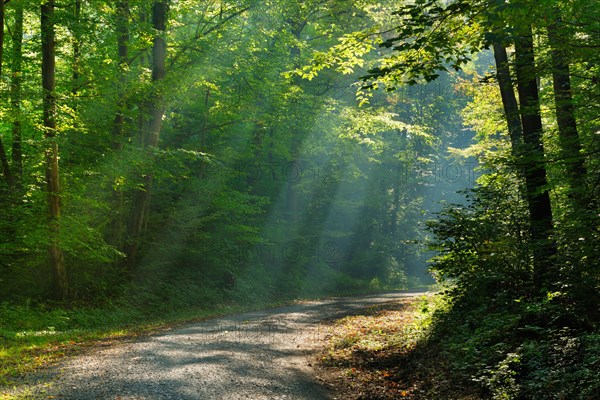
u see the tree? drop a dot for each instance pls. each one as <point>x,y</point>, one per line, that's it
<point>6,170</point>
<point>570,142</point>
<point>16,90</point>
<point>509,100</point>
<point>150,137</point>
<point>537,195</point>
<point>123,36</point>
<point>55,251</point>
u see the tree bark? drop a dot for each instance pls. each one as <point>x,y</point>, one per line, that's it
<point>5,165</point>
<point>538,198</point>
<point>509,100</point>
<point>157,108</point>
<point>56,256</point>
<point>16,91</point>
<point>294,167</point>
<point>565,118</point>
<point>122,30</point>
<point>76,32</point>
<point>3,157</point>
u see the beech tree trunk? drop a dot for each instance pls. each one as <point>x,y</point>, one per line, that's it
<point>151,137</point>
<point>76,32</point>
<point>16,91</point>
<point>294,167</point>
<point>509,100</point>
<point>6,171</point>
<point>565,118</point>
<point>122,30</point>
<point>55,252</point>
<point>538,199</point>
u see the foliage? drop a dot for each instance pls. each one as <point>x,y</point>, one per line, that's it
<point>250,160</point>
<point>493,248</point>
<point>235,130</point>
<point>262,187</point>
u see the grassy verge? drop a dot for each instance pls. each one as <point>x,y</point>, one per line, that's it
<point>34,337</point>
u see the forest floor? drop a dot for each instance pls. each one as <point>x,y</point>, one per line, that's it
<point>271,354</point>
<point>383,353</point>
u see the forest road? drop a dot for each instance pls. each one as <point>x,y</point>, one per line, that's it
<point>258,355</point>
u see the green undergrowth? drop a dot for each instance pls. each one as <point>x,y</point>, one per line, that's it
<point>516,348</point>
<point>454,346</point>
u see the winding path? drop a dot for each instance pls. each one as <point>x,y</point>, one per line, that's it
<point>259,355</point>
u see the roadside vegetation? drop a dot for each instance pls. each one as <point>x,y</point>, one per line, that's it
<point>372,355</point>
<point>520,254</point>
<point>35,336</point>
<point>447,348</point>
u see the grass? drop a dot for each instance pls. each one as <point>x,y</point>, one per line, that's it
<point>34,337</point>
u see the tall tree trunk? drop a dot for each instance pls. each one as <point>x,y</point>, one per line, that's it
<point>573,159</point>
<point>538,199</point>
<point>509,100</point>
<point>151,138</point>
<point>206,117</point>
<point>16,91</point>
<point>122,29</point>
<point>5,165</point>
<point>511,114</point>
<point>565,118</point>
<point>159,56</point>
<point>294,168</point>
<point>204,133</point>
<point>56,256</point>
<point>76,32</point>
<point>3,157</point>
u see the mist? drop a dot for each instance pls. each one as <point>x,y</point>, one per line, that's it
<point>220,163</point>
